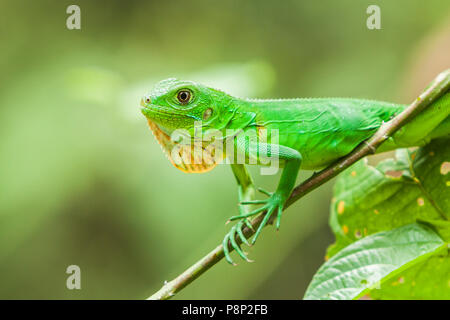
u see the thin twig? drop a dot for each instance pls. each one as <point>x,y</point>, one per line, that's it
<point>439,86</point>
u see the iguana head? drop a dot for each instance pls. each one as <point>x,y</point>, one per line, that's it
<point>176,104</point>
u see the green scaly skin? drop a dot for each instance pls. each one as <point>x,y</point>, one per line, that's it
<point>313,133</point>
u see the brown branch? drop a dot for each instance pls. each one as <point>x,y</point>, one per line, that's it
<point>439,86</point>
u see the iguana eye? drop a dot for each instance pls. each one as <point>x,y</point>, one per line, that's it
<point>184,96</point>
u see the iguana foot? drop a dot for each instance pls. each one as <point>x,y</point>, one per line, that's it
<point>275,202</point>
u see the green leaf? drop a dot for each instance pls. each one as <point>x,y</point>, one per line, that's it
<point>396,192</point>
<point>427,280</point>
<point>413,187</point>
<point>370,262</point>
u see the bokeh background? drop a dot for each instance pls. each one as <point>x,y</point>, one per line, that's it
<point>82,180</point>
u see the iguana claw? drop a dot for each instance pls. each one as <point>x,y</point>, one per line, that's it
<point>231,238</point>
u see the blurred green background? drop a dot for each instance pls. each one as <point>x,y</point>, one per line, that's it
<point>84,182</point>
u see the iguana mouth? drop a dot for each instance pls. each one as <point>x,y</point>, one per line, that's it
<point>147,110</point>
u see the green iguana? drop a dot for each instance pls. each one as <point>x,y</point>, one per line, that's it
<point>310,134</point>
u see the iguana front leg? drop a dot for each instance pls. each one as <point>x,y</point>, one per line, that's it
<point>246,192</point>
<point>290,158</point>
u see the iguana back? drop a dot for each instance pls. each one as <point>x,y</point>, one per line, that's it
<point>321,129</point>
